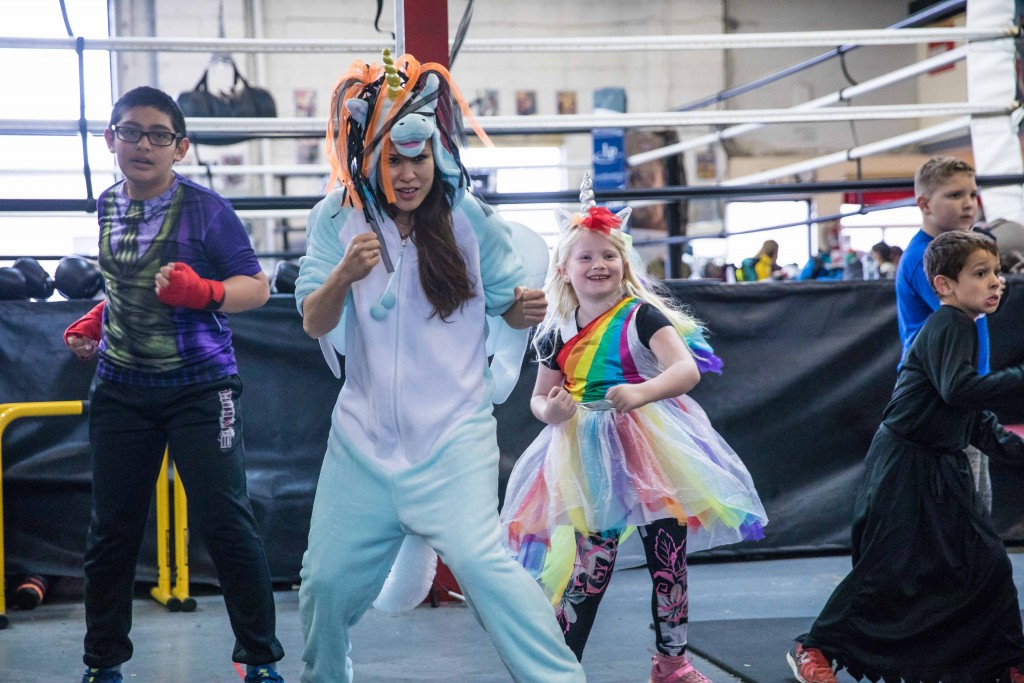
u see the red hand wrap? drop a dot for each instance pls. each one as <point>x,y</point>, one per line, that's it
<point>187,289</point>
<point>89,325</point>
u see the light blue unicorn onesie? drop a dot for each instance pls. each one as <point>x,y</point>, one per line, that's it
<point>412,448</point>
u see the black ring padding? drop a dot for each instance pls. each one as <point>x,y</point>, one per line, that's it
<point>262,203</point>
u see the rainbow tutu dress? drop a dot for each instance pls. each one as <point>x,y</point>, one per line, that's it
<point>602,470</point>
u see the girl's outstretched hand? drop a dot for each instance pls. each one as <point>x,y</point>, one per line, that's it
<point>560,406</point>
<point>626,397</point>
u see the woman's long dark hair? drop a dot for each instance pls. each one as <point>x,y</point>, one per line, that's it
<point>443,273</point>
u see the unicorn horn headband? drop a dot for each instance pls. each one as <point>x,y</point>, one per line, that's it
<point>593,217</point>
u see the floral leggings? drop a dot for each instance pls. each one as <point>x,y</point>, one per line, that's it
<point>665,546</point>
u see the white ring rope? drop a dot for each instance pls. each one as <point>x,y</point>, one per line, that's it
<point>891,78</point>
<point>289,170</point>
<point>733,41</point>
<point>301,126</point>
<point>852,153</point>
<point>904,36</point>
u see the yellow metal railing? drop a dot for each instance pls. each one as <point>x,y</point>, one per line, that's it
<point>175,599</point>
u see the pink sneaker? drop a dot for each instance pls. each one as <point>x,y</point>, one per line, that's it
<point>665,669</point>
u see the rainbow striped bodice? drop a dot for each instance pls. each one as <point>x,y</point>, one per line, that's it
<point>599,357</point>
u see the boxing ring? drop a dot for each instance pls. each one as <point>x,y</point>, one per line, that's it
<point>739,317</point>
<point>809,366</point>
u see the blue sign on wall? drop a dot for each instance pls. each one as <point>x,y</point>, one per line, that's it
<point>609,159</point>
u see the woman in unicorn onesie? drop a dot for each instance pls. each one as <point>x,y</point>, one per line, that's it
<point>405,274</point>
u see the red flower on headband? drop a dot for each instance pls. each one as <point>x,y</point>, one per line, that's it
<point>601,219</point>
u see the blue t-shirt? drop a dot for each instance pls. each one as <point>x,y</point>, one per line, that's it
<point>916,300</point>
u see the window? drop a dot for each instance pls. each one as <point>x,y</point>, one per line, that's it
<point>521,169</point>
<point>51,166</point>
<point>895,227</point>
<point>743,217</point>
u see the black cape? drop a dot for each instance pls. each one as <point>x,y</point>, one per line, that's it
<point>931,594</point>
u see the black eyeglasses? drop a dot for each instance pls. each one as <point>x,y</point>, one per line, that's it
<point>157,138</point>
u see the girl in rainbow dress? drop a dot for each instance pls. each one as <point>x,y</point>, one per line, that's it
<point>624,446</point>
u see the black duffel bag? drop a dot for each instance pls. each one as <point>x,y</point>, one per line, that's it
<point>241,101</point>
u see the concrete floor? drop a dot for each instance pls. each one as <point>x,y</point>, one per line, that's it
<point>426,644</point>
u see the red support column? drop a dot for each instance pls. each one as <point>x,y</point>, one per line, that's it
<point>426,30</point>
<point>426,39</point>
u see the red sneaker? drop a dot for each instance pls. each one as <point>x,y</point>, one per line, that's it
<point>809,665</point>
<point>665,669</point>
<point>1015,675</point>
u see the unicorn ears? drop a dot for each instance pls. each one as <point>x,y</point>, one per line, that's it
<point>564,219</point>
<point>624,216</point>
<point>429,88</point>
<point>358,109</point>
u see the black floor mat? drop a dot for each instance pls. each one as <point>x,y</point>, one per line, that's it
<point>752,649</point>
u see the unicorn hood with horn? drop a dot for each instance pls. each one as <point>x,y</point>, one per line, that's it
<point>398,107</point>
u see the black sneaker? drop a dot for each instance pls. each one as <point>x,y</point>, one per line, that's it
<point>92,675</point>
<point>263,674</point>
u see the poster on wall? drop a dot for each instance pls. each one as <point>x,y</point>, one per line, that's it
<point>307,150</point>
<point>526,102</point>
<point>486,103</point>
<point>232,181</point>
<point>611,100</point>
<point>566,101</point>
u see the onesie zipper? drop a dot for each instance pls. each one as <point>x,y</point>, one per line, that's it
<point>397,276</point>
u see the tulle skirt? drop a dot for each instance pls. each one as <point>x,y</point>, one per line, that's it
<point>602,470</point>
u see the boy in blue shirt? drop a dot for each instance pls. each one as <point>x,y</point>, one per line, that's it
<point>947,195</point>
<point>948,198</point>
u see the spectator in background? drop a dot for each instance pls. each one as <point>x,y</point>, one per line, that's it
<point>762,265</point>
<point>882,254</point>
<point>819,267</point>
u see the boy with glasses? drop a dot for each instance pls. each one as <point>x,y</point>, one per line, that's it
<point>175,259</point>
